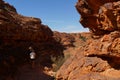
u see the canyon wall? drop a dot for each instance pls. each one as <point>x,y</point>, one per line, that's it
<point>99,57</point>
<point>94,55</point>
<point>17,34</point>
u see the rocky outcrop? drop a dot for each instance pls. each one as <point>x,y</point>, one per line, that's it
<point>99,57</point>
<point>18,27</point>
<point>101,16</point>
<point>17,34</point>
<point>86,56</point>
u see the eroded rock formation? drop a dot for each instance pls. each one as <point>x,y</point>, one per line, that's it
<point>18,27</point>
<point>99,16</point>
<point>86,56</point>
<point>17,34</point>
<point>99,57</point>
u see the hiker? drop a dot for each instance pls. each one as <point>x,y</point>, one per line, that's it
<point>32,56</point>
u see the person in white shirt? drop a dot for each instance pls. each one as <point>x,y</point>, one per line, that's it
<point>32,56</point>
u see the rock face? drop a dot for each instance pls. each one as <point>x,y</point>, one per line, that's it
<point>18,27</point>
<point>88,56</point>
<point>99,57</point>
<point>99,16</point>
<point>17,34</point>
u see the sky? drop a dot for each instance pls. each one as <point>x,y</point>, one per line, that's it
<point>59,15</point>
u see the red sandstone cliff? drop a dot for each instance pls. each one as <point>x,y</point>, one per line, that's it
<point>18,27</point>
<point>99,58</point>
<point>98,15</point>
<point>17,34</point>
<point>84,56</point>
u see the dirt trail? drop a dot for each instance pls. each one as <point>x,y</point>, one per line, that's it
<point>26,72</point>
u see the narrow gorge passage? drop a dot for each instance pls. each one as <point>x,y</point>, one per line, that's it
<point>27,72</point>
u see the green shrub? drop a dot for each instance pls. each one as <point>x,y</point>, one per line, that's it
<point>83,38</point>
<point>58,61</point>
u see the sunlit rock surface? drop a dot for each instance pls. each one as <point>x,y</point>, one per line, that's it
<point>99,57</point>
